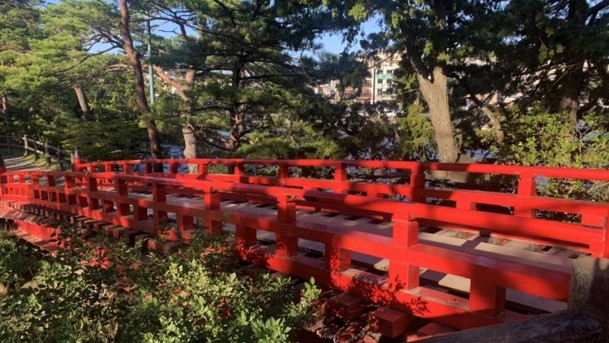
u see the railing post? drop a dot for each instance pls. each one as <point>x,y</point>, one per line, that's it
<point>69,184</point>
<point>405,234</point>
<point>76,160</point>
<point>239,173</point>
<point>51,183</point>
<point>340,178</point>
<point>283,173</point>
<point>47,153</point>
<point>173,167</point>
<point>60,158</point>
<point>122,191</point>
<point>93,204</point>
<point>159,197</point>
<point>526,189</point>
<point>203,170</point>
<point>417,184</point>
<point>35,192</point>
<point>600,248</point>
<point>21,180</point>
<point>211,202</point>
<point>26,146</point>
<point>3,180</point>
<point>286,214</point>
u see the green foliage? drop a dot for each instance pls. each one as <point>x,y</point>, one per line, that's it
<point>416,135</point>
<point>546,139</point>
<point>195,295</point>
<point>17,262</point>
<point>116,140</point>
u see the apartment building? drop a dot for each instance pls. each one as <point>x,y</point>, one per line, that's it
<point>378,85</point>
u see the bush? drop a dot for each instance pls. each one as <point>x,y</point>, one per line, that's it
<point>17,262</point>
<point>195,295</point>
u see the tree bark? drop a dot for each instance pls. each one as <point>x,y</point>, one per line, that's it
<point>83,102</point>
<point>573,81</point>
<point>495,123</point>
<point>188,133</point>
<point>572,85</point>
<point>435,93</point>
<point>190,139</point>
<point>140,89</point>
<point>7,126</point>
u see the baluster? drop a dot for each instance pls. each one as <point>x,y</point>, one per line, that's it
<point>286,213</point>
<point>239,175</point>
<point>283,173</point>
<point>417,184</point>
<point>35,190</point>
<point>122,191</point>
<point>69,184</point>
<point>405,234</point>
<point>526,189</point>
<point>173,167</point>
<point>47,153</point>
<point>51,183</point>
<point>211,202</point>
<point>340,179</point>
<point>159,197</point>
<point>203,170</point>
<point>26,146</point>
<point>59,156</point>
<point>92,203</point>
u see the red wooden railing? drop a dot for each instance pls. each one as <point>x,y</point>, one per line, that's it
<point>108,191</point>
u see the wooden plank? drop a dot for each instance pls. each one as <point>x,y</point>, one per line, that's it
<point>462,284</point>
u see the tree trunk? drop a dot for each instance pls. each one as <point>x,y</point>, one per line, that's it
<point>7,123</point>
<point>495,123</point>
<point>140,89</point>
<point>573,80</point>
<point>83,102</point>
<point>190,145</point>
<point>435,93</point>
<point>188,133</point>
<point>572,85</point>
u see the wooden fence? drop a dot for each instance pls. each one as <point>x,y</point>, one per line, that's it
<point>40,148</point>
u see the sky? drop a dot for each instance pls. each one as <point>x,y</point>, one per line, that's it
<point>332,43</point>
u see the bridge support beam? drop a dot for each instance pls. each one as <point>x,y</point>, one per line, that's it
<point>586,320</point>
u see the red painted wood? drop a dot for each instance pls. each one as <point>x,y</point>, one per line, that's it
<point>83,192</point>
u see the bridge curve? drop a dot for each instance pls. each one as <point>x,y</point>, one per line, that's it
<point>434,252</point>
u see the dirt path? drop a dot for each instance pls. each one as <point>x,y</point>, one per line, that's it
<point>23,163</point>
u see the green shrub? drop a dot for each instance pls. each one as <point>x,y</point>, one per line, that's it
<point>16,262</point>
<point>195,295</point>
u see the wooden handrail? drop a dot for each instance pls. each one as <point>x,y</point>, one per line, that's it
<point>40,148</point>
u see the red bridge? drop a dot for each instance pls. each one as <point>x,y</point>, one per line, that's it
<point>463,257</point>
